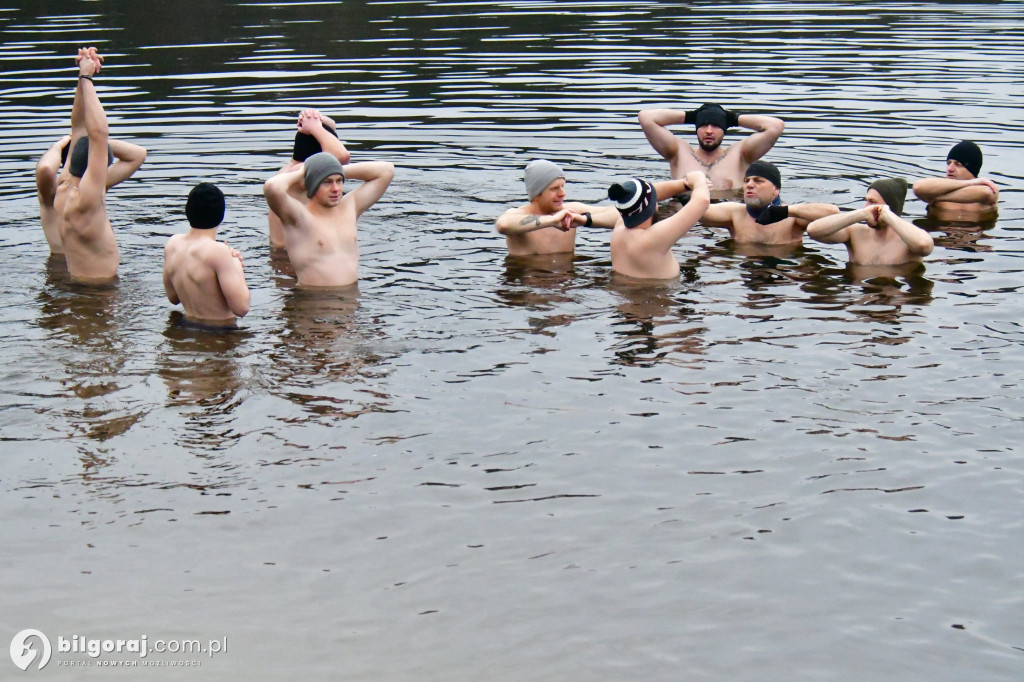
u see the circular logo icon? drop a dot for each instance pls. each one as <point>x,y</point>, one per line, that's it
<point>22,654</point>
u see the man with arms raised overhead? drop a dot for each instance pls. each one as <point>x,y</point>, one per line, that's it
<point>876,234</point>
<point>762,218</point>
<point>547,225</point>
<point>723,166</point>
<point>85,231</point>
<point>641,248</point>
<point>321,235</point>
<point>316,133</point>
<point>962,193</point>
<point>201,273</point>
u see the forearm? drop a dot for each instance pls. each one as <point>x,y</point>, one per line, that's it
<point>518,222</point>
<point>95,117</point>
<point>825,229</point>
<point>604,216</point>
<point>810,212</point>
<point>330,143</point>
<point>917,240</point>
<point>126,151</point>
<point>761,123</point>
<point>367,171</point>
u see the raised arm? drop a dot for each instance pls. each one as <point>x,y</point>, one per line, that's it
<point>600,216</point>
<point>974,191</point>
<point>654,123</point>
<point>767,130</point>
<point>664,234</point>
<point>808,213</point>
<point>94,181</point>
<point>311,122</point>
<point>127,159</point>
<point>376,176</point>
<point>231,278</point>
<point>279,191</point>
<point>918,242</point>
<point>47,169</point>
<point>833,229</point>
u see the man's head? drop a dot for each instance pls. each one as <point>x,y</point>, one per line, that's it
<point>711,121</point>
<point>306,145</point>
<point>636,200</point>
<point>540,174</point>
<point>319,168</point>
<point>80,157</point>
<point>889,191</point>
<point>963,162</point>
<point>205,206</point>
<point>761,184</point>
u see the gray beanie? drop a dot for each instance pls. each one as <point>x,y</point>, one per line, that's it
<point>539,174</point>
<point>893,192</point>
<point>319,167</point>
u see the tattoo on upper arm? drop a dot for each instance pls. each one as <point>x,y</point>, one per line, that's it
<point>530,220</point>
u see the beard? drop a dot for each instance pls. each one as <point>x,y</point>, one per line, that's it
<point>709,147</point>
<point>755,202</point>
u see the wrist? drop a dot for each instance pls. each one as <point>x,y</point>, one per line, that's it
<point>85,76</point>
<point>590,219</point>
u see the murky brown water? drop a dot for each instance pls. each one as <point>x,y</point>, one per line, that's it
<point>469,468</point>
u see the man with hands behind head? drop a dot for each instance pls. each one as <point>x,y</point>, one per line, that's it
<point>724,167</point>
<point>876,234</point>
<point>316,133</point>
<point>320,235</point>
<point>762,218</point>
<point>547,225</point>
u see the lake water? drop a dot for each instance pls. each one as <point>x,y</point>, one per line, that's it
<point>474,469</point>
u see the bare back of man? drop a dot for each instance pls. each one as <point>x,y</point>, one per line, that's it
<point>644,250</point>
<point>86,233</point>
<point>206,277</point>
<point>321,235</point>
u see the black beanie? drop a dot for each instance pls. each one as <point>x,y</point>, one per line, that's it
<point>80,157</point>
<point>893,192</point>
<point>306,145</point>
<point>968,154</point>
<point>205,206</point>
<point>766,170</point>
<point>711,114</point>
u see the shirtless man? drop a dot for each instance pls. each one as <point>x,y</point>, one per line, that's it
<point>876,234</point>
<point>547,224</point>
<point>85,232</point>
<point>642,248</point>
<point>961,191</point>
<point>724,167</point>
<point>316,133</point>
<point>762,218</point>
<point>321,235</point>
<point>202,274</point>
<point>52,194</point>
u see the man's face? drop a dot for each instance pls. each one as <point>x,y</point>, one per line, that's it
<point>957,171</point>
<point>550,200</point>
<point>758,192</point>
<point>710,136</point>
<point>330,190</point>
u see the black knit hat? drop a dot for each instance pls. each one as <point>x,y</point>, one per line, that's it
<point>968,154</point>
<point>766,170</point>
<point>636,200</point>
<point>205,206</point>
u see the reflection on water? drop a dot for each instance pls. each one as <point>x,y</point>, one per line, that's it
<point>795,436</point>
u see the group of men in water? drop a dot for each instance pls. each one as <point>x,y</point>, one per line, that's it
<point>314,220</point>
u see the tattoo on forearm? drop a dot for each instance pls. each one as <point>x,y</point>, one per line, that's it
<point>530,220</point>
